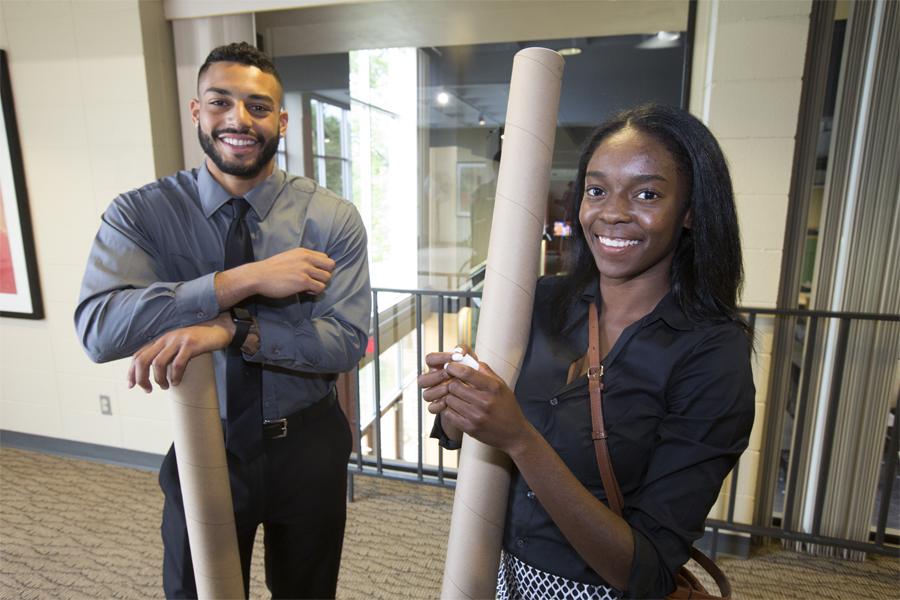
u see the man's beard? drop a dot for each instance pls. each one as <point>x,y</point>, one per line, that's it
<point>267,151</point>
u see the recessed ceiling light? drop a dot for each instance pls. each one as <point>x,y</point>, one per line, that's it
<point>660,40</point>
<point>569,51</point>
<point>443,98</point>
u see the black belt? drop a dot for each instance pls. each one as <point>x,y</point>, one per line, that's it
<point>278,428</point>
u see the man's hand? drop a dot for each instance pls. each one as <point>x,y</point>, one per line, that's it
<point>174,349</point>
<point>295,271</point>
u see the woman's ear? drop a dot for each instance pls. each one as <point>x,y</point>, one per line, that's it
<point>687,219</point>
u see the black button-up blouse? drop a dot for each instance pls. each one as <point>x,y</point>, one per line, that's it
<point>678,404</point>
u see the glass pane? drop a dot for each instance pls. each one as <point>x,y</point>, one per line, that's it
<point>334,180</point>
<point>315,108</point>
<point>332,119</point>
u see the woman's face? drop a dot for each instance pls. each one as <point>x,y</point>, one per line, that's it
<point>633,208</point>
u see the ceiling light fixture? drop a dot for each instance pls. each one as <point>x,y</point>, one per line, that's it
<point>662,39</point>
<point>443,98</point>
<point>569,51</point>
<point>481,120</point>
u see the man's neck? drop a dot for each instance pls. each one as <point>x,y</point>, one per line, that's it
<point>238,187</point>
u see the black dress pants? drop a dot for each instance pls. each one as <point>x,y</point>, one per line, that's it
<point>297,490</point>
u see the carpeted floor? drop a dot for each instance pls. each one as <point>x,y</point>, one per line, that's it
<point>78,529</point>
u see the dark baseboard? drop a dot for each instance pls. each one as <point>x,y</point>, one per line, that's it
<point>728,543</point>
<point>71,449</point>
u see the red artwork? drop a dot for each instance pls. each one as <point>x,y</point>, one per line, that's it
<point>7,276</point>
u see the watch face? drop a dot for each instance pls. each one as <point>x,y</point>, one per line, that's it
<point>239,313</point>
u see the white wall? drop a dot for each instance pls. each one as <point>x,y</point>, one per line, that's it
<point>85,77</point>
<point>748,70</point>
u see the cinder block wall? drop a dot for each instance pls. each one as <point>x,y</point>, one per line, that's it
<point>748,73</point>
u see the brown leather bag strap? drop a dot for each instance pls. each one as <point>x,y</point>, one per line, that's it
<point>598,433</point>
<point>714,571</point>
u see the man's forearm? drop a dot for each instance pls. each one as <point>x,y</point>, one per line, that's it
<point>234,285</point>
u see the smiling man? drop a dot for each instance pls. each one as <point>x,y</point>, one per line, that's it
<point>268,271</point>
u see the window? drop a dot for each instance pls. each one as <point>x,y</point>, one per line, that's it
<point>330,126</point>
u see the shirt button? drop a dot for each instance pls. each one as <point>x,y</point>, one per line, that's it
<point>276,350</point>
<point>554,401</point>
<point>520,543</point>
<point>530,495</point>
<point>201,314</point>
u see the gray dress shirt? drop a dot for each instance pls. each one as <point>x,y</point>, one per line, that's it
<point>152,265</point>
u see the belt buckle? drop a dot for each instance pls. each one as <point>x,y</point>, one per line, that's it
<point>283,432</point>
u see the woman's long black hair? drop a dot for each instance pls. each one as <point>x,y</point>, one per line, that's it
<point>706,270</point>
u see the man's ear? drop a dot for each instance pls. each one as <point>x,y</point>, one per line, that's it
<point>687,219</point>
<point>282,122</point>
<point>195,111</point>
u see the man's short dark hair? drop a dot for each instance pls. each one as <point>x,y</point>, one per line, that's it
<point>243,53</point>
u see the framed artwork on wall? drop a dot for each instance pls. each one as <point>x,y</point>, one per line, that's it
<point>20,291</point>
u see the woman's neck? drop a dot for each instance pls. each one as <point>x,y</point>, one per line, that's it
<point>630,300</point>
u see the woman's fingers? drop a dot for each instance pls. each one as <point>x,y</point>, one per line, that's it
<point>435,393</point>
<point>432,378</point>
<point>437,360</point>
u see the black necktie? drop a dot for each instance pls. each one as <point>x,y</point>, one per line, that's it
<point>243,380</point>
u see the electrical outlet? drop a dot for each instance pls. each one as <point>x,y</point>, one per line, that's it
<point>105,405</point>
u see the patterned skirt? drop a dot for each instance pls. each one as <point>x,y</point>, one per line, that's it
<point>517,580</point>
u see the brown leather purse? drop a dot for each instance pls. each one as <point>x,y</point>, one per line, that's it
<point>687,586</point>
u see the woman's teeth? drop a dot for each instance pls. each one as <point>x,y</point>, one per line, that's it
<point>617,242</point>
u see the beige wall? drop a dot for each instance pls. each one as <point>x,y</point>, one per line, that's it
<point>748,69</point>
<point>93,86</point>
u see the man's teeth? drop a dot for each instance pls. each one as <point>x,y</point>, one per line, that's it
<point>238,142</point>
<point>616,242</point>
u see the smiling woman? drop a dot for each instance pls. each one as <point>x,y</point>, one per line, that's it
<point>634,207</point>
<point>657,261</point>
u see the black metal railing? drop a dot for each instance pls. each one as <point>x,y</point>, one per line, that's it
<point>441,303</point>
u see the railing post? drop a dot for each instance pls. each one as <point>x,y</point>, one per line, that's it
<point>376,364</point>
<point>419,407</point>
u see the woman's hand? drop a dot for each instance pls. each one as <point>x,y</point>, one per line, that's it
<point>476,402</point>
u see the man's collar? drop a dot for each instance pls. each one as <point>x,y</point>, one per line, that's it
<point>261,198</point>
<point>666,309</point>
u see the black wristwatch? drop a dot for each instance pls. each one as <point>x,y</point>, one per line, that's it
<point>242,320</point>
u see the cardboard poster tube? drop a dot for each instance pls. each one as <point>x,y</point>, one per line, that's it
<point>482,485</point>
<point>203,472</point>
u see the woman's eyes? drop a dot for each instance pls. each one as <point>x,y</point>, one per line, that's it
<point>594,191</point>
<point>647,195</point>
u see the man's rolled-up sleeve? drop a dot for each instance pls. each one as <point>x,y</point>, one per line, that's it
<point>124,301</point>
<point>710,413</point>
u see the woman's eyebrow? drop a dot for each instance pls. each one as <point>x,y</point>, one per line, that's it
<point>644,178</point>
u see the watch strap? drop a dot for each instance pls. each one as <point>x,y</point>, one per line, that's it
<point>242,320</point>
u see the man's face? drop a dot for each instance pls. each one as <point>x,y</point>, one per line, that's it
<point>239,118</point>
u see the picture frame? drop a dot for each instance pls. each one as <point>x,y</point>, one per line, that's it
<point>20,291</point>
